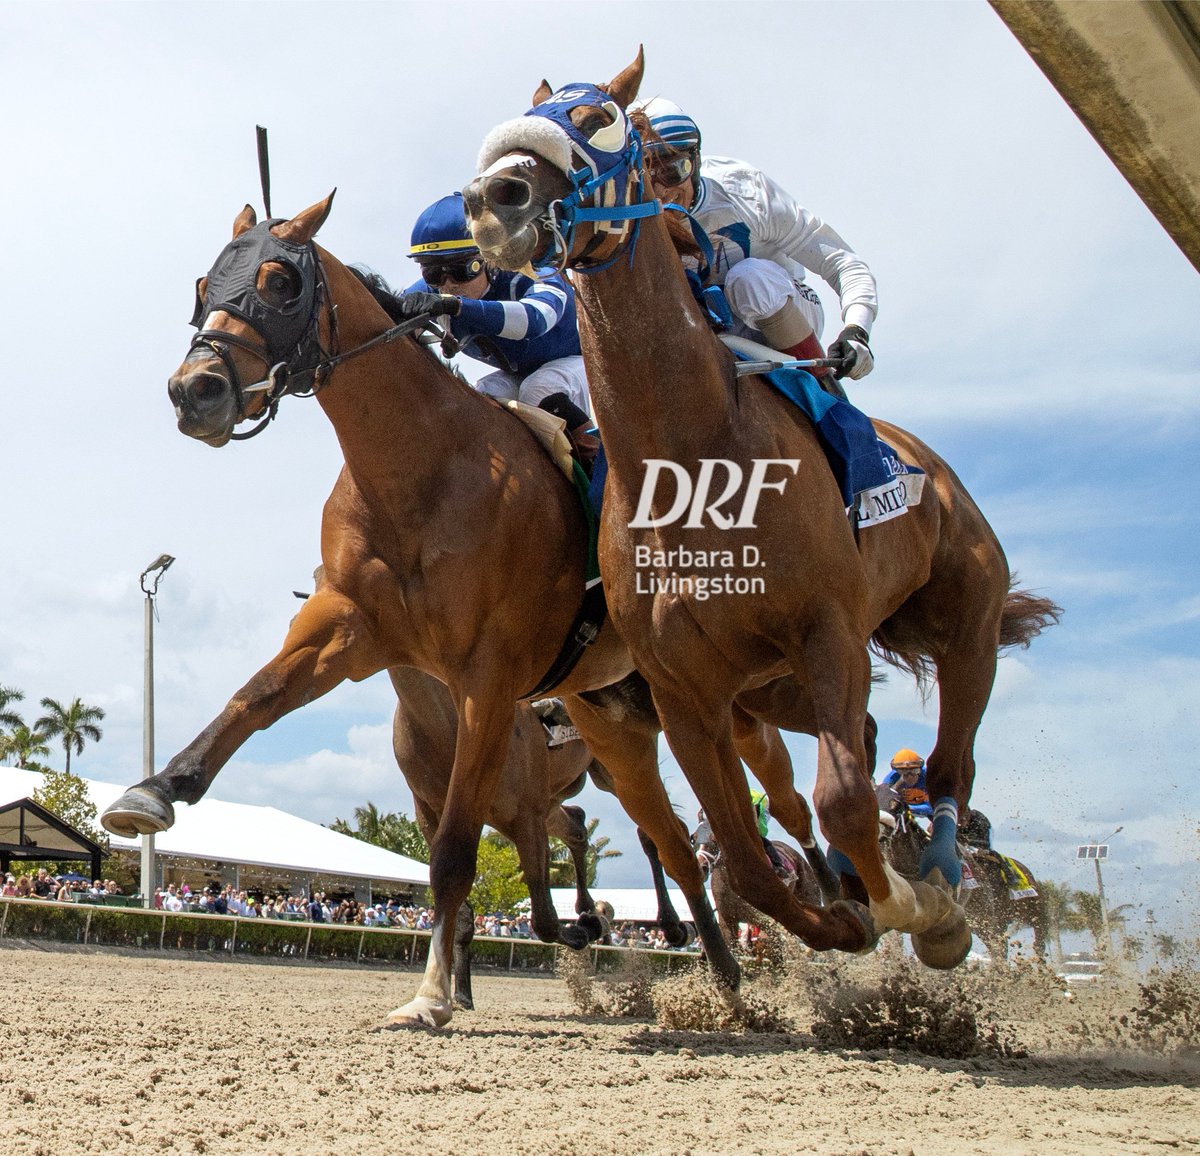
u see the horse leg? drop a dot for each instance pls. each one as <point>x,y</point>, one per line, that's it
<point>966,672</point>
<point>485,722</point>
<point>839,675</point>
<point>464,928</point>
<point>763,750</point>
<point>630,754</point>
<point>328,642</point>
<point>707,754</point>
<point>673,931</point>
<point>529,833</point>
<point>568,823</point>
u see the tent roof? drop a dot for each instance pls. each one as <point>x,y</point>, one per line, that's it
<point>245,834</point>
<point>29,831</point>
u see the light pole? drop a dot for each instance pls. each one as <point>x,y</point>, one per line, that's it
<point>1100,889</point>
<point>152,574</point>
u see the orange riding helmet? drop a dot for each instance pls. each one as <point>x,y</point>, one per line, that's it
<point>905,759</point>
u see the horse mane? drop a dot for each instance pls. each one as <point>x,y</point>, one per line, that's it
<point>389,301</point>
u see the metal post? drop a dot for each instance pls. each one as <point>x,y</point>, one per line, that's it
<point>1103,908</point>
<point>147,877</point>
<point>154,572</point>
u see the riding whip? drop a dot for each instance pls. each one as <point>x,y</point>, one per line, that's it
<point>264,167</point>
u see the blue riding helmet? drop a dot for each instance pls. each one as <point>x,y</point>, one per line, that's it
<point>441,232</point>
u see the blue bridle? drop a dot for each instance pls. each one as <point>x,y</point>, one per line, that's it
<point>611,156</point>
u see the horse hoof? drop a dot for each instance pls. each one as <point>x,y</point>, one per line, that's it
<point>420,1013</point>
<point>676,934</point>
<point>464,1003</point>
<point>592,925</point>
<point>946,943</point>
<point>138,812</point>
<point>862,924</point>
<point>573,936</point>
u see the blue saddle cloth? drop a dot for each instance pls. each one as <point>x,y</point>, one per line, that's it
<point>859,459</point>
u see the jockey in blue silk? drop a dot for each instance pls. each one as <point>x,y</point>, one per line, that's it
<point>763,242</point>
<point>907,779</point>
<point>528,327</point>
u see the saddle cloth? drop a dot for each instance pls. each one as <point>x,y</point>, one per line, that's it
<point>876,485</point>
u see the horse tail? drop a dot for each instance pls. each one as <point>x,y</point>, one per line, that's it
<point>1025,616</point>
<point>904,649</point>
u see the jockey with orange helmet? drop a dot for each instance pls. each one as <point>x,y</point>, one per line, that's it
<point>763,243</point>
<point>907,779</point>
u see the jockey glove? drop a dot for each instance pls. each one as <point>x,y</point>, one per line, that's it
<point>416,304</point>
<point>851,346</point>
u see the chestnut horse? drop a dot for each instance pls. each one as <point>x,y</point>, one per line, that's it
<point>931,590</point>
<point>450,543</point>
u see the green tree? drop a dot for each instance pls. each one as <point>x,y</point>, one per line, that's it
<point>9,718</point>
<point>499,885</point>
<point>66,795</point>
<point>74,725</point>
<point>24,747</point>
<point>394,831</point>
<point>562,869</point>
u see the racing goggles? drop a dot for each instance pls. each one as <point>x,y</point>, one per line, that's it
<point>671,170</point>
<point>461,271</point>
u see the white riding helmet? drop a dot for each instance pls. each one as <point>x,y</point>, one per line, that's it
<point>676,128</point>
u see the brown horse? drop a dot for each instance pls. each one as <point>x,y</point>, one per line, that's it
<point>527,808</point>
<point>931,590</point>
<point>450,543</point>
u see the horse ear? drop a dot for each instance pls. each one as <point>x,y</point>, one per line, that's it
<point>624,87</point>
<point>246,219</point>
<point>544,92</point>
<point>303,227</point>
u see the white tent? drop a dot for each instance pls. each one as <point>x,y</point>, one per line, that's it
<point>634,903</point>
<point>244,835</point>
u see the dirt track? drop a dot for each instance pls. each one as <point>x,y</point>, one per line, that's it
<point>104,1052</point>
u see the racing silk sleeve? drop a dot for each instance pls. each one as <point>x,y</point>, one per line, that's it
<point>781,229</point>
<point>533,308</point>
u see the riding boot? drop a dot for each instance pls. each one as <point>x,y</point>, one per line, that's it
<point>790,333</point>
<point>580,428</point>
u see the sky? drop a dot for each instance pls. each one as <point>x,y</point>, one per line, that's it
<point>1036,327</point>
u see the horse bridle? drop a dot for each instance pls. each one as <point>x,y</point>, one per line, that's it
<point>287,334</point>
<point>598,166</point>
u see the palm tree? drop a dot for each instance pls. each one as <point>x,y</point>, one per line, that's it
<point>1062,914</point>
<point>9,718</point>
<point>74,724</point>
<point>24,745</point>
<point>562,873</point>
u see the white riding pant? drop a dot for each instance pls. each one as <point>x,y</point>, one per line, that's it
<point>756,288</point>
<point>563,375</point>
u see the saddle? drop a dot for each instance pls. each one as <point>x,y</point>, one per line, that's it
<point>876,485</point>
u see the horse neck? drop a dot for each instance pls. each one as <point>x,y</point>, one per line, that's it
<point>648,349</point>
<point>396,411</point>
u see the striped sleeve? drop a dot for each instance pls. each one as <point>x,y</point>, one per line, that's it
<point>539,310</point>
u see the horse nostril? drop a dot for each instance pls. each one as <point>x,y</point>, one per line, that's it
<point>206,387</point>
<point>509,192</point>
